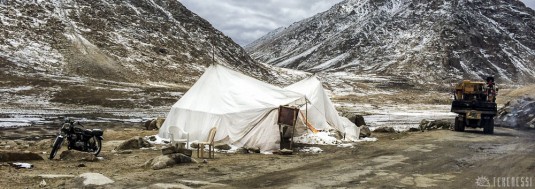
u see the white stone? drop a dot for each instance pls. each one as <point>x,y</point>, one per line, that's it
<point>95,179</point>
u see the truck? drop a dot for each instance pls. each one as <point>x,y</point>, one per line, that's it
<point>474,103</point>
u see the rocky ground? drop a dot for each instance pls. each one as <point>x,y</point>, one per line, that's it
<point>437,158</point>
<point>440,158</point>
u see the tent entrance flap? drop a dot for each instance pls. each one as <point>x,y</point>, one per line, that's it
<point>287,120</point>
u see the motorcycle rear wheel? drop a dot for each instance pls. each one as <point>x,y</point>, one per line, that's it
<point>55,147</point>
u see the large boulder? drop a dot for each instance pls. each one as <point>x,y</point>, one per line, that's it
<point>133,143</point>
<point>365,131</point>
<point>74,155</point>
<point>6,156</point>
<point>169,160</point>
<point>518,113</point>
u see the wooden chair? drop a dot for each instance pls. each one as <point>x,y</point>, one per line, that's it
<point>177,135</point>
<point>210,143</point>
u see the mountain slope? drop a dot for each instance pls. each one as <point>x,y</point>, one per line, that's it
<point>427,40</point>
<point>132,40</point>
<point>113,53</point>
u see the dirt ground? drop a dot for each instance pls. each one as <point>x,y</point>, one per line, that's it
<point>434,159</point>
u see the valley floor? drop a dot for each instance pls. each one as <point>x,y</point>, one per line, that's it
<point>435,159</point>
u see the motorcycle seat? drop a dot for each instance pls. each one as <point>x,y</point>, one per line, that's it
<point>97,132</point>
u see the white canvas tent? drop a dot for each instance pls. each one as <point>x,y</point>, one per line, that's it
<point>244,110</point>
<point>322,114</point>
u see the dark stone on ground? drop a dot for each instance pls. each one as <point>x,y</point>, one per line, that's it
<point>6,156</point>
<point>365,131</point>
<point>165,161</point>
<point>385,130</point>
<point>133,143</point>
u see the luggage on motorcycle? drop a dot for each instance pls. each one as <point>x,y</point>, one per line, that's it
<point>97,132</point>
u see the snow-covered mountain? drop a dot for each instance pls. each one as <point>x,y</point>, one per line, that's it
<point>119,40</point>
<point>429,40</point>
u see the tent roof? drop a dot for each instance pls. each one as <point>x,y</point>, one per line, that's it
<point>221,90</point>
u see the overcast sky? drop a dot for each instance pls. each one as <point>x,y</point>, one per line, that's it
<point>247,20</point>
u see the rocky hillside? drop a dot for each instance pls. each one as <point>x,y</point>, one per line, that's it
<point>132,40</point>
<point>427,40</point>
<point>114,53</point>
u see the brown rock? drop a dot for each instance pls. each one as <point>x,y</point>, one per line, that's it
<point>152,125</point>
<point>6,156</point>
<point>164,161</point>
<point>222,146</point>
<point>359,120</point>
<point>148,125</point>
<point>133,143</point>
<point>159,122</point>
<point>384,130</point>
<point>365,131</point>
<point>74,155</point>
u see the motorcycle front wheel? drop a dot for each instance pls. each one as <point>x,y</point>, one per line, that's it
<point>96,145</point>
<point>55,147</point>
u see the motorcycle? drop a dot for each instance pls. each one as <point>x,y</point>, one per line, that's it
<point>80,139</point>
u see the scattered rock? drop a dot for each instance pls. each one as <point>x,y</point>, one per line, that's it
<point>152,138</point>
<point>242,150</point>
<point>81,165</point>
<point>365,131</point>
<point>384,129</point>
<point>359,120</point>
<point>286,152</point>
<point>222,146</point>
<point>18,156</point>
<point>159,122</point>
<point>42,183</point>
<point>123,151</point>
<point>253,149</point>
<point>74,155</point>
<point>149,126</point>
<point>175,149</point>
<point>414,129</point>
<point>152,125</point>
<point>434,124</point>
<point>95,179</point>
<point>164,161</point>
<point>133,143</point>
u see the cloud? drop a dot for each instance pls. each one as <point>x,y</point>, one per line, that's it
<point>246,21</point>
<point>529,3</point>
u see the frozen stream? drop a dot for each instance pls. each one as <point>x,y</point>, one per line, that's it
<point>402,116</point>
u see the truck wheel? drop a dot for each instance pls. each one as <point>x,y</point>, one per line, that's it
<point>459,124</point>
<point>488,128</point>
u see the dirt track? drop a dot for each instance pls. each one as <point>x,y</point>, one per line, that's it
<point>436,159</point>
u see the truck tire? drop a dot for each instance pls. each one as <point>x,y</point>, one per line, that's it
<point>459,123</point>
<point>488,128</point>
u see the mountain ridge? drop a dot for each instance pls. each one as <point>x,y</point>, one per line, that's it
<point>424,40</point>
